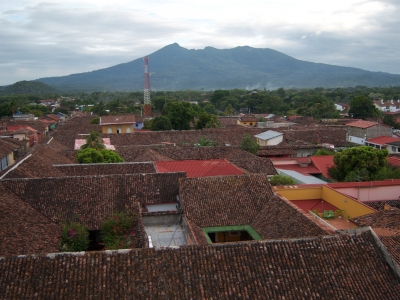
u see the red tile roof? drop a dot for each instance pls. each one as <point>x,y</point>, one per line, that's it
<point>323,163</point>
<point>199,168</point>
<point>362,124</point>
<point>394,161</point>
<point>382,140</point>
<point>364,184</point>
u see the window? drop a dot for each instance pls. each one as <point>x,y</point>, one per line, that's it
<point>109,130</point>
<point>394,149</point>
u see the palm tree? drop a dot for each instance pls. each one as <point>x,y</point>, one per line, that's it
<point>94,141</point>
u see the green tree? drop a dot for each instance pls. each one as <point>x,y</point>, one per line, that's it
<point>94,141</point>
<point>249,145</point>
<point>389,120</point>
<point>324,151</point>
<point>160,123</point>
<point>210,108</point>
<point>358,163</point>
<point>95,121</point>
<point>281,180</point>
<point>362,107</point>
<point>229,110</point>
<point>89,156</point>
<point>110,156</point>
<point>180,114</point>
<point>93,156</point>
<point>218,95</point>
<point>206,120</point>
<point>74,237</point>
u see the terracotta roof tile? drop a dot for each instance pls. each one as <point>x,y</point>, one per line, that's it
<point>382,219</point>
<point>105,169</point>
<point>342,267</point>
<point>23,230</point>
<point>90,199</point>
<point>199,168</point>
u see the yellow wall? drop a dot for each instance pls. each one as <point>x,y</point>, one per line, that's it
<point>104,128</point>
<point>350,206</point>
<point>295,193</point>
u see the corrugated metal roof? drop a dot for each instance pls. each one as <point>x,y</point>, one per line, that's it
<point>300,178</point>
<point>270,134</point>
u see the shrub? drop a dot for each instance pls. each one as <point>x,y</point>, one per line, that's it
<point>95,121</point>
<point>281,180</point>
<point>248,144</point>
<point>117,231</point>
<point>74,237</point>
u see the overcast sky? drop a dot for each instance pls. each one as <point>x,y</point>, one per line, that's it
<point>56,38</point>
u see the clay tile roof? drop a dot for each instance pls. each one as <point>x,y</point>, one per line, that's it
<point>383,219</point>
<point>89,199</point>
<point>23,230</point>
<point>40,163</point>
<point>362,124</point>
<point>341,267</point>
<point>6,147</point>
<point>105,169</point>
<point>242,200</point>
<point>383,140</point>
<point>282,219</point>
<point>323,163</point>
<point>224,201</point>
<point>199,168</point>
<point>123,119</point>
<point>248,118</point>
<point>247,162</point>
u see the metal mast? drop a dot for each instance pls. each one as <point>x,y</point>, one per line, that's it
<point>147,102</point>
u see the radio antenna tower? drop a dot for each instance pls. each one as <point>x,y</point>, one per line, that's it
<point>147,102</point>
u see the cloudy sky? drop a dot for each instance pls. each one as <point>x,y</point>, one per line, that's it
<point>56,38</point>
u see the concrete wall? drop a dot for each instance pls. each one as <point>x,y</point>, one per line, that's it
<point>372,193</point>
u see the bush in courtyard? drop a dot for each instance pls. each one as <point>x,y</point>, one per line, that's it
<point>117,231</point>
<point>74,237</point>
<point>281,180</point>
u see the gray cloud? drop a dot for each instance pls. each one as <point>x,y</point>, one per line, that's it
<point>49,40</point>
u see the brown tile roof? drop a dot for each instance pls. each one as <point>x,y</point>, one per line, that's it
<point>40,164</point>
<point>123,119</point>
<point>382,219</point>
<point>6,147</point>
<point>248,118</point>
<point>89,199</point>
<point>392,243</point>
<point>282,219</point>
<point>23,230</point>
<point>106,169</point>
<point>341,267</point>
<point>243,200</point>
<point>226,200</point>
<point>244,160</point>
<point>318,135</point>
<point>362,124</point>
<point>380,205</point>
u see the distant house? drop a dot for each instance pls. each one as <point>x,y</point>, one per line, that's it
<point>117,124</point>
<point>6,154</point>
<point>387,106</point>
<point>269,138</point>
<point>23,117</point>
<point>360,131</point>
<point>342,106</point>
<point>248,120</point>
<point>384,142</point>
